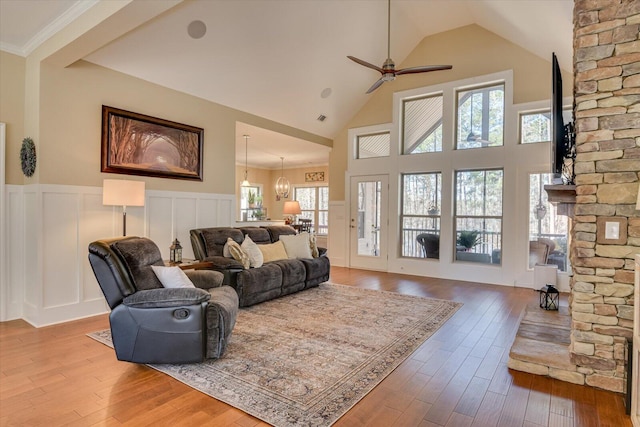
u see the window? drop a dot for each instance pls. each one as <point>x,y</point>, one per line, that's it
<point>251,203</point>
<point>422,125</point>
<point>535,127</point>
<point>314,204</point>
<point>420,217</point>
<point>548,231</point>
<point>478,216</point>
<point>480,117</point>
<point>373,145</point>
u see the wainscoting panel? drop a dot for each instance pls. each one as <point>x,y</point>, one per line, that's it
<point>15,254</point>
<point>159,221</point>
<point>337,241</point>
<point>97,222</point>
<point>49,228</point>
<point>60,248</point>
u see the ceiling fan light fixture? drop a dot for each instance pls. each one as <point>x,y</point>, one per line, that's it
<point>388,69</point>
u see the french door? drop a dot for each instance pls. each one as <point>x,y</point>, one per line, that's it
<point>368,222</point>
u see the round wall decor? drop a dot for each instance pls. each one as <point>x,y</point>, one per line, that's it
<point>28,157</point>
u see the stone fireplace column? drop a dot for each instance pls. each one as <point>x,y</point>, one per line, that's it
<point>607,111</point>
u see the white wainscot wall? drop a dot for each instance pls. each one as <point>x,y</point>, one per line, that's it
<point>49,227</point>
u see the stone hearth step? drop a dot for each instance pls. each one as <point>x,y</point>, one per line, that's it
<point>542,342</point>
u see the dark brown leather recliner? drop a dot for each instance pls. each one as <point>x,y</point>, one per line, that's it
<point>153,324</point>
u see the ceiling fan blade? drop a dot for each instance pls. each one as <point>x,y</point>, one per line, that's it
<point>375,86</point>
<point>423,69</point>
<point>366,64</point>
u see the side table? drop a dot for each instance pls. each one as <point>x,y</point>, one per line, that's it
<point>190,264</point>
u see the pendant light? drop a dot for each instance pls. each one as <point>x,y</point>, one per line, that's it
<point>282,184</point>
<point>245,183</point>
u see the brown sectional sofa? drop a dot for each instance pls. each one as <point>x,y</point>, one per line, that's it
<point>273,279</point>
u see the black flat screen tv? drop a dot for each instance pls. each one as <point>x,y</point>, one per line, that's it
<point>558,144</point>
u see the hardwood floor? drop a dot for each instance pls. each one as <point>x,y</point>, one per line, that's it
<point>57,376</point>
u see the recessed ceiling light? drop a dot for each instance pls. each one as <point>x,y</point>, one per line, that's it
<point>326,92</point>
<point>197,29</point>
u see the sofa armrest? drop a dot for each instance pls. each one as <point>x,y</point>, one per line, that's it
<point>159,298</point>
<point>205,279</point>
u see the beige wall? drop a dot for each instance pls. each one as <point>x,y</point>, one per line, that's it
<point>268,180</point>
<point>70,124</point>
<point>473,51</point>
<point>12,69</point>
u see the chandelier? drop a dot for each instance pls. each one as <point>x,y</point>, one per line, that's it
<point>282,184</point>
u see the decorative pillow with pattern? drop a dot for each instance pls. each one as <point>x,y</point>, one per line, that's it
<point>238,253</point>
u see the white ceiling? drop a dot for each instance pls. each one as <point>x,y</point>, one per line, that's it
<point>274,58</point>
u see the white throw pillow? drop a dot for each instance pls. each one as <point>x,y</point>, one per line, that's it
<point>172,277</point>
<point>255,255</point>
<point>297,245</point>
<point>238,253</point>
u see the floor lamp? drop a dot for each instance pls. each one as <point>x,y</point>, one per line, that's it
<point>120,192</point>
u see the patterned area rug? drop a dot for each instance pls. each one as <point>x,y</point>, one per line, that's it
<point>307,358</point>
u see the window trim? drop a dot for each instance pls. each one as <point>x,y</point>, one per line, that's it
<point>316,211</point>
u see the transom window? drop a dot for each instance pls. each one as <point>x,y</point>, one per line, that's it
<point>420,216</point>
<point>535,127</point>
<point>480,117</point>
<point>422,124</point>
<point>478,215</point>
<point>314,204</point>
<point>373,145</point>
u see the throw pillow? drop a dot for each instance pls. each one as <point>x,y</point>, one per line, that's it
<point>225,250</point>
<point>297,245</point>
<point>238,253</point>
<point>313,245</point>
<point>255,256</point>
<point>172,277</point>
<point>273,251</point>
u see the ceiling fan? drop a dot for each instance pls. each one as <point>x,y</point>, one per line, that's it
<point>388,69</point>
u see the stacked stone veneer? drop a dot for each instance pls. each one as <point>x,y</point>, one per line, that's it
<point>607,111</point>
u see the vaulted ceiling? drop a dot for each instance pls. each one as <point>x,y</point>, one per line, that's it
<point>287,60</point>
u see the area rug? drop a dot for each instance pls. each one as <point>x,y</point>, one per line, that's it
<point>307,358</point>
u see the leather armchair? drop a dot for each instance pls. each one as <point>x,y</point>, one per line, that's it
<point>153,324</point>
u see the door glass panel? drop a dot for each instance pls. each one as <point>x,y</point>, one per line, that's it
<point>368,218</point>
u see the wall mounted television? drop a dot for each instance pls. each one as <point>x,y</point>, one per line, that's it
<point>561,133</point>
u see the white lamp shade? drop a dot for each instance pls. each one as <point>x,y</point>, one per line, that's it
<point>120,192</point>
<point>291,208</point>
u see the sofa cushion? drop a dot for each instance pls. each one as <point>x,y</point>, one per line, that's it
<point>172,277</point>
<point>297,246</point>
<point>275,231</point>
<point>273,252</point>
<point>214,239</point>
<point>222,263</point>
<point>139,254</point>
<point>157,298</point>
<point>258,234</point>
<point>255,255</point>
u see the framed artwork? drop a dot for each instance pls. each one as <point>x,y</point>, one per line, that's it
<point>313,176</point>
<point>135,144</point>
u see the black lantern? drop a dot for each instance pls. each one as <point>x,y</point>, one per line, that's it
<point>175,252</point>
<point>549,298</point>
